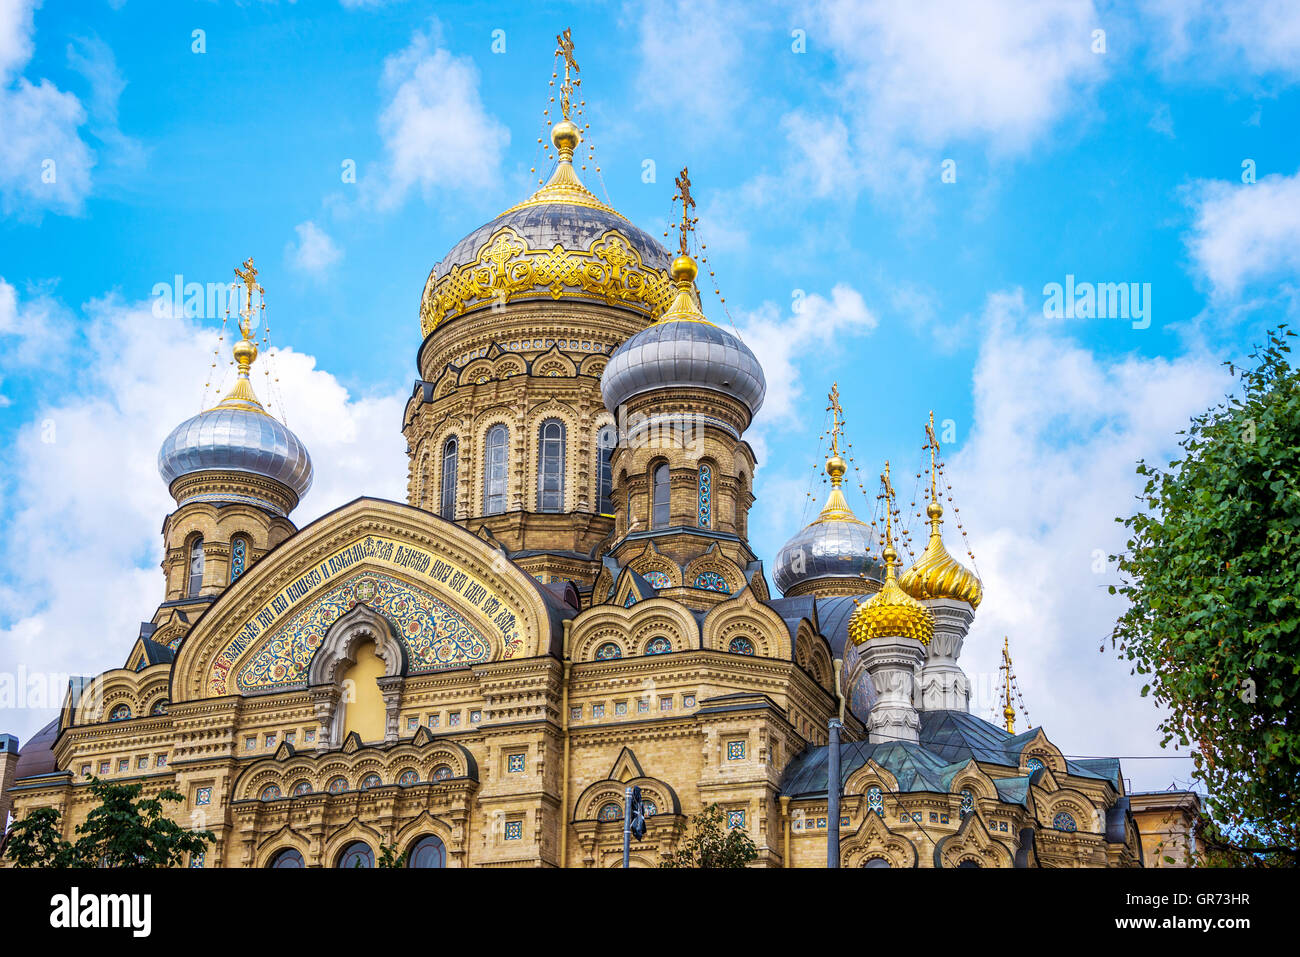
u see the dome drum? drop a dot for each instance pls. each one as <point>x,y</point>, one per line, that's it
<point>829,550</point>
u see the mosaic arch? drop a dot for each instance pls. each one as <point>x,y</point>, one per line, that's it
<point>450,597</point>
<point>436,636</point>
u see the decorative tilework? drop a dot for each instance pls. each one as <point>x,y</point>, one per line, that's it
<point>608,651</point>
<point>666,704</point>
<point>741,645</point>
<point>301,788</point>
<point>705,497</point>
<point>967,801</point>
<point>620,707</point>
<point>876,801</point>
<point>658,578</point>
<point>598,711</point>
<point>442,772</point>
<point>371,781</point>
<point>435,635</point>
<point>610,812</point>
<point>658,646</point>
<point>630,600</point>
<point>309,736</point>
<point>735,750</point>
<point>712,581</point>
<point>475,717</point>
<point>338,785</point>
<point>648,808</point>
<point>1064,821</point>
<point>196,860</point>
<point>161,761</point>
<point>575,713</point>
<point>514,830</point>
<point>103,767</point>
<point>408,777</point>
<point>453,719</point>
<point>735,819</point>
<point>203,796</point>
<point>434,720</point>
<point>120,713</point>
<point>688,701</point>
<point>412,723</point>
<point>1033,764</point>
<point>515,763</point>
<point>124,764</point>
<point>270,792</point>
<point>643,706</point>
<point>238,557</point>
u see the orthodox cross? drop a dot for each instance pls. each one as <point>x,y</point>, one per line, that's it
<point>565,49</point>
<point>837,418</point>
<point>888,496</point>
<point>1008,677</point>
<point>249,277</point>
<point>932,443</point>
<point>683,182</point>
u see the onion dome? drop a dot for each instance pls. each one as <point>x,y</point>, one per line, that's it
<point>560,243</point>
<point>936,574</point>
<point>683,350</point>
<point>836,545</point>
<point>237,435</point>
<point>891,612</point>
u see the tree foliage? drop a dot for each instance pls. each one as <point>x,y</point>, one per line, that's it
<point>1211,571</point>
<point>123,830</point>
<point>713,844</point>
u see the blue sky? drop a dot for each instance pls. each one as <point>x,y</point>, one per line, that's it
<point>817,136</point>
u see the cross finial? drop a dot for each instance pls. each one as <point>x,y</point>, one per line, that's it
<point>248,275</point>
<point>888,495</point>
<point>837,418</point>
<point>687,224</point>
<point>564,48</point>
<point>932,443</point>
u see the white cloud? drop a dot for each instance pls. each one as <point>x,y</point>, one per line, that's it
<point>1244,232</point>
<point>692,72</point>
<point>34,333</point>
<point>83,500</point>
<point>1047,465</point>
<point>436,133</point>
<point>780,340</point>
<point>314,252</point>
<point>15,36</point>
<point>1221,37</point>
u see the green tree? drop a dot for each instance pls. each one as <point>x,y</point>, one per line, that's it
<point>123,830</point>
<point>712,844</point>
<point>388,857</point>
<point>1211,571</point>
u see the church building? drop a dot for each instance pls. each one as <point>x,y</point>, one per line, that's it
<point>566,605</point>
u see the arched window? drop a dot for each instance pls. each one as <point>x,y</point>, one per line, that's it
<point>494,471</point>
<point>270,792</point>
<point>659,512</point>
<point>159,707</point>
<point>288,858</point>
<point>705,496</point>
<point>442,773</point>
<point>1064,821</point>
<point>875,862</point>
<point>607,651</point>
<point>301,788</point>
<point>357,854</point>
<point>238,556</point>
<point>120,713</point>
<point>550,467</point>
<point>196,567</point>
<point>428,851</point>
<point>447,504</point>
<point>338,785</point>
<point>1033,764</point>
<point>408,778</point>
<point>606,439</point>
<point>370,781</point>
<point>969,863</point>
<point>609,812</point>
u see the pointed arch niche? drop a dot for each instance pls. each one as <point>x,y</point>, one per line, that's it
<point>356,678</point>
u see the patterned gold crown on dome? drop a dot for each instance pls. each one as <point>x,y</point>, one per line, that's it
<point>613,262</point>
<point>891,612</point>
<point>936,574</point>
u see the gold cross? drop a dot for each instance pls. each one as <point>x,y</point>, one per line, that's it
<point>932,443</point>
<point>249,276</point>
<point>565,49</point>
<point>837,418</point>
<point>888,496</point>
<point>683,182</point>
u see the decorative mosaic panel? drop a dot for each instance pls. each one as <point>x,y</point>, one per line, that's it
<point>1064,822</point>
<point>876,801</point>
<point>337,786</point>
<point>514,830</point>
<point>741,646</point>
<point>515,763</point>
<point>203,796</point>
<point>1033,764</point>
<point>270,792</point>
<point>705,496</point>
<point>238,558</point>
<point>408,777</point>
<point>610,812</point>
<point>967,801</point>
<point>630,601</point>
<point>712,581</point>
<point>301,788</point>
<point>658,646</point>
<point>735,819</point>
<point>370,781</point>
<point>658,578</point>
<point>608,651</point>
<point>435,635</point>
<point>648,808</point>
<point>735,750</point>
<point>443,772</point>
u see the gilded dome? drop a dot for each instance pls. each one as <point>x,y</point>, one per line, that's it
<point>683,349</point>
<point>936,574</point>
<point>560,243</point>
<point>837,544</point>
<point>891,612</point>
<point>237,435</point>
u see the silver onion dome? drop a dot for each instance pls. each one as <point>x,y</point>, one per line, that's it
<point>236,440</point>
<point>683,349</point>
<point>828,549</point>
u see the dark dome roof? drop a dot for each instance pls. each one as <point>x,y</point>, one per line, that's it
<point>37,755</point>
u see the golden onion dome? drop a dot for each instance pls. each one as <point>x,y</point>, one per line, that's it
<point>891,612</point>
<point>560,243</point>
<point>936,574</point>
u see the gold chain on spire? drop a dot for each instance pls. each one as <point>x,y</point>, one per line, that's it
<point>837,507</point>
<point>687,225</point>
<point>245,349</point>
